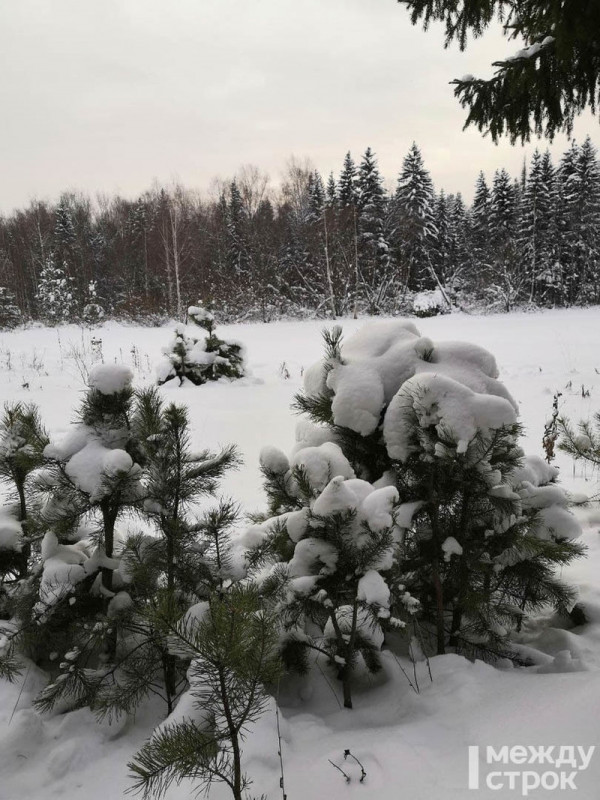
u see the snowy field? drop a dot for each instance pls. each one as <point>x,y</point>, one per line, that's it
<point>412,745</point>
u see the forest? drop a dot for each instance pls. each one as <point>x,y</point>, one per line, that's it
<point>312,246</point>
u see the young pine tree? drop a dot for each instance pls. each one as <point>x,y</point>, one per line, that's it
<point>22,443</point>
<point>434,422</point>
<point>178,565</point>
<point>200,357</point>
<point>231,642</point>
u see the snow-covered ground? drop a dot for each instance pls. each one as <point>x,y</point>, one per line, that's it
<point>411,745</point>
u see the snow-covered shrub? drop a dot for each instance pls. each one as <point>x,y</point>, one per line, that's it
<point>434,423</point>
<point>92,310</point>
<point>430,303</point>
<point>55,296</point>
<point>10,314</point>
<point>200,356</point>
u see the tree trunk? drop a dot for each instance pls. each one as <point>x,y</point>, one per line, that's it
<point>439,620</point>
<point>25,553</point>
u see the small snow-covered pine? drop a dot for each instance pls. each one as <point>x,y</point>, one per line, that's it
<point>200,356</point>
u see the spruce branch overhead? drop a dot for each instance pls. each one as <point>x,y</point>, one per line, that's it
<point>540,89</point>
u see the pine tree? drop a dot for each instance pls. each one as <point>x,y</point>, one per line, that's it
<point>22,443</point>
<point>178,566</point>
<point>416,233</point>
<point>93,312</point>
<point>332,556</point>
<point>232,644</point>
<point>481,544</point>
<point>202,357</point>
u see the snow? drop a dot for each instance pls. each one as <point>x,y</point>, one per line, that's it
<point>336,498</point>
<point>359,405</point>
<point>110,378</point>
<point>296,524</point>
<point>274,460</point>
<point>454,409</point>
<point>200,314</point>
<point>382,357</point>
<point>378,507</point>
<point>120,602</point>
<point>90,467</point>
<point>430,302</point>
<point>321,464</point>
<point>410,744</point>
<point>369,630</point>
<point>10,531</point>
<point>373,589</point>
<point>451,548</point>
<point>312,556</point>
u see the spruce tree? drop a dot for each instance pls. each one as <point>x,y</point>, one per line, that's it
<point>374,266</point>
<point>480,234</point>
<point>416,233</point>
<point>65,238</point>
<point>316,197</point>
<point>460,256</point>
<point>331,193</point>
<point>536,226</point>
<point>348,189</point>
<point>55,296</point>
<point>10,314</point>
<point>508,280</point>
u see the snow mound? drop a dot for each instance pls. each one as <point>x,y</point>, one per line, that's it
<point>110,378</point>
<point>321,464</point>
<point>380,358</point>
<point>456,411</point>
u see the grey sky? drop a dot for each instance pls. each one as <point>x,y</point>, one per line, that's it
<point>108,95</point>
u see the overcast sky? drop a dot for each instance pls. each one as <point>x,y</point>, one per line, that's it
<point>110,95</point>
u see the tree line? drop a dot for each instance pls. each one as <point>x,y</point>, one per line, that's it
<point>333,246</point>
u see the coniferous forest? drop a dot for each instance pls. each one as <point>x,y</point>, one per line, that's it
<point>318,245</point>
